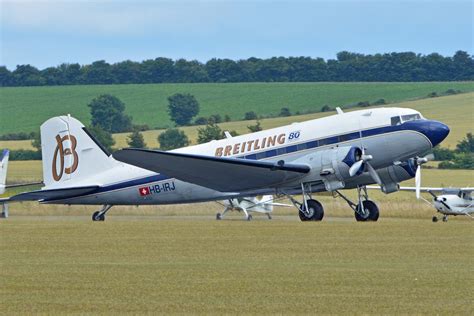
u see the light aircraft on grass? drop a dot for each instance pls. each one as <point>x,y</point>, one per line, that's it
<point>3,181</point>
<point>451,201</point>
<point>342,151</point>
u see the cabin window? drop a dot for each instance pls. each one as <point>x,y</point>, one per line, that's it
<point>411,117</point>
<point>396,120</point>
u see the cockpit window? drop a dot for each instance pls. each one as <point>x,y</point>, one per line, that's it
<point>396,120</point>
<point>411,117</point>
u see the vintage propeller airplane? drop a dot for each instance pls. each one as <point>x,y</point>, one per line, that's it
<point>342,151</point>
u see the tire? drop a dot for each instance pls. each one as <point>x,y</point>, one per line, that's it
<point>373,215</point>
<point>316,211</point>
<point>218,216</point>
<point>98,218</point>
<point>434,219</point>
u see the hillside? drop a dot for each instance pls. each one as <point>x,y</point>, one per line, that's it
<point>23,109</point>
<point>457,111</point>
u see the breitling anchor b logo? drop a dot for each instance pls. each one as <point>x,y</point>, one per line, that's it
<point>61,152</point>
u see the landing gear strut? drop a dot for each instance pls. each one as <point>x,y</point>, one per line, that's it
<point>365,210</point>
<point>99,216</point>
<point>310,209</point>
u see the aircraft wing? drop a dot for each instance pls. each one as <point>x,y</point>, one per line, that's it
<point>427,189</point>
<point>53,194</point>
<point>221,174</point>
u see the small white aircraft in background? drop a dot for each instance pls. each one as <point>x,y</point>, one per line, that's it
<point>3,181</point>
<point>250,204</point>
<point>334,153</point>
<point>451,201</point>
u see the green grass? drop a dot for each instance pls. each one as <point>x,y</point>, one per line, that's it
<point>27,108</point>
<point>174,266</point>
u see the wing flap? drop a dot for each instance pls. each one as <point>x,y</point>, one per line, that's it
<point>221,174</point>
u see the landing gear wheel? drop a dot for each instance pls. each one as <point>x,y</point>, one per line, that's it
<point>445,218</point>
<point>316,211</point>
<point>434,219</point>
<point>371,212</point>
<point>249,218</point>
<point>98,217</point>
<point>269,216</point>
<point>218,216</point>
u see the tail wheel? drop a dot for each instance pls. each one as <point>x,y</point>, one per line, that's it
<point>315,211</point>
<point>371,212</point>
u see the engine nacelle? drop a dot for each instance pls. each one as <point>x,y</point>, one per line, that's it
<point>334,165</point>
<point>395,174</point>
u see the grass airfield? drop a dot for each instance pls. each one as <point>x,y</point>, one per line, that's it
<point>173,265</point>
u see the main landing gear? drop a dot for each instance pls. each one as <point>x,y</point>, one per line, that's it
<point>99,216</point>
<point>365,210</point>
<point>435,218</point>
<point>310,209</point>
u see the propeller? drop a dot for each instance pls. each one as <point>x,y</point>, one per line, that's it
<point>364,159</point>
<point>419,161</point>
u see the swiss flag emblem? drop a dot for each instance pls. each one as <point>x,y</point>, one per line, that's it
<point>144,191</point>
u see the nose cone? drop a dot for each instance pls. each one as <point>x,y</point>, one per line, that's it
<point>437,132</point>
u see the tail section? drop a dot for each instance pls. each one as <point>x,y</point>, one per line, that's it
<point>3,169</point>
<point>70,152</point>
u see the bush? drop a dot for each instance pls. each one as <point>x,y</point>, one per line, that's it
<point>141,127</point>
<point>215,118</point>
<point>250,116</point>
<point>172,138</point>
<point>363,104</point>
<point>285,112</point>
<point>208,133</point>
<point>18,136</point>
<point>326,108</point>
<point>466,145</point>
<point>461,161</point>
<point>442,154</point>
<point>201,121</point>
<point>433,94</point>
<point>25,154</point>
<point>227,118</point>
<point>255,128</point>
<point>452,91</point>
<point>136,140</point>
<point>379,102</point>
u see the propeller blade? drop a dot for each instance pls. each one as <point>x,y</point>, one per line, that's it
<point>355,167</point>
<point>374,174</point>
<point>418,181</point>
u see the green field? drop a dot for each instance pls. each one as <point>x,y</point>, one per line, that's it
<point>27,108</point>
<point>56,265</point>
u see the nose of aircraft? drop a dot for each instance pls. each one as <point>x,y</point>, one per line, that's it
<point>437,132</point>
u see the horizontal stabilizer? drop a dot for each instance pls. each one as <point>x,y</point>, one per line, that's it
<point>221,174</point>
<point>54,194</point>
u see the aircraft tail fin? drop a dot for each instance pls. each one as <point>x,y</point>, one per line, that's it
<point>70,153</point>
<point>3,169</point>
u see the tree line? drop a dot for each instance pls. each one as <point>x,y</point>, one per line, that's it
<point>348,66</point>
